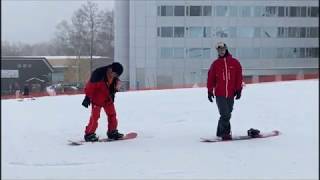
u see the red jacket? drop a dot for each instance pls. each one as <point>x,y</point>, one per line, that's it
<point>225,76</point>
<point>98,92</point>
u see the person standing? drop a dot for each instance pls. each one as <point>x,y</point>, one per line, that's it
<point>100,92</point>
<point>224,83</point>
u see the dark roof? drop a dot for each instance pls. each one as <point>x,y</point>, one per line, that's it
<point>19,58</point>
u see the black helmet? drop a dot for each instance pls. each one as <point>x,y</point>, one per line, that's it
<point>117,68</point>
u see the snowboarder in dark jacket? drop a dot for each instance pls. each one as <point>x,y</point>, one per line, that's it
<point>100,92</point>
<point>224,82</point>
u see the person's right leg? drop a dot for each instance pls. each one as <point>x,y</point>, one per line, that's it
<point>224,127</point>
<point>93,124</point>
<point>112,131</point>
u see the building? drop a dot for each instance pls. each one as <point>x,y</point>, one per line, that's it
<point>71,69</point>
<point>170,43</point>
<point>17,72</point>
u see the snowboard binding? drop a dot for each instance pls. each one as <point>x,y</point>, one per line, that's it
<point>253,132</point>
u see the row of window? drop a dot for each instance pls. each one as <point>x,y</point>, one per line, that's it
<point>247,53</point>
<point>239,11</point>
<point>24,65</point>
<point>237,32</point>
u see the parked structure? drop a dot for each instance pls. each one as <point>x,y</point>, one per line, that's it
<point>19,72</point>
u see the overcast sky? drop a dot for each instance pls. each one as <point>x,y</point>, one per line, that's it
<point>34,21</point>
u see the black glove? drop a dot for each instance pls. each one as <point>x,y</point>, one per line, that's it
<point>237,94</point>
<point>210,96</point>
<point>86,102</point>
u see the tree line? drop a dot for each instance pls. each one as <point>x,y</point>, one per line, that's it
<point>89,32</point>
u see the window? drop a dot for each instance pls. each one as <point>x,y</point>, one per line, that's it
<point>302,32</point>
<point>166,10</point>
<point>195,10</point>
<point>258,11</point>
<point>159,10</point>
<point>178,53</point>
<point>232,51</point>
<point>314,32</point>
<point>249,53</point>
<point>221,10</point>
<point>166,53</point>
<point>248,32</point>
<point>301,52</point>
<point>196,32</point>
<point>303,11</point>
<point>207,11</point>
<point>233,11</point>
<point>19,66</point>
<point>293,11</point>
<point>207,32</point>
<point>269,32</point>
<point>293,32</point>
<point>224,32</point>
<point>195,52</point>
<point>287,52</point>
<point>245,11</point>
<point>166,31</point>
<point>281,11</point>
<point>314,11</point>
<point>178,31</point>
<point>270,11</point>
<point>179,10</point>
<point>158,32</point>
<point>269,52</point>
<point>206,53</point>
<point>282,32</point>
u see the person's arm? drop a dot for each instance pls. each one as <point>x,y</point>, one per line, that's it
<point>89,89</point>
<point>211,81</point>
<point>239,78</point>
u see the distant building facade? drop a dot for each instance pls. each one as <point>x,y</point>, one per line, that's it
<point>167,43</point>
<point>18,73</point>
<point>71,69</point>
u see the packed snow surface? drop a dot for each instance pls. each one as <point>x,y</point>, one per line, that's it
<point>169,124</point>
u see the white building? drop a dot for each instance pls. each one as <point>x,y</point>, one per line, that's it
<point>170,43</point>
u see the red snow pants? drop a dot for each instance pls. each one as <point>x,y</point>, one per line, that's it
<point>95,115</point>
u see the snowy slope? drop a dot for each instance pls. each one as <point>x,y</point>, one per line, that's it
<point>170,124</point>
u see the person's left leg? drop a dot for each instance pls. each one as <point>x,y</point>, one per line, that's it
<point>224,127</point>
<point>112,131</point>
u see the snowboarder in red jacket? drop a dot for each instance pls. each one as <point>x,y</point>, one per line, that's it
<point>224,82</point>
<point>100,93</point>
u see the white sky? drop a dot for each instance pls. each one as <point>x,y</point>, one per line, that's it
<point>34,21</point>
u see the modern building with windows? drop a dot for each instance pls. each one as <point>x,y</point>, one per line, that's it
<point>170,43</point>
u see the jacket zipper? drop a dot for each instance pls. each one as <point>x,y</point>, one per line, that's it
<point>226,71</point>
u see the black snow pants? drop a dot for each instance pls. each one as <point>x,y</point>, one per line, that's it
<point>225,106</point>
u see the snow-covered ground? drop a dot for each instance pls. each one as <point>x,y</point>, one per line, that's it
<point>170,124</point>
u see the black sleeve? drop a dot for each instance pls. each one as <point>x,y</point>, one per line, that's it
<point>99,74</point>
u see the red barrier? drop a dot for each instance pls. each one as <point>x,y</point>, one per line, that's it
<point>246,80</point>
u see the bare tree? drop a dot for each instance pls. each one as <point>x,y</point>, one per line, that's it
<point>105,36</point>
<point>62,40</point>
<point>90,11</point>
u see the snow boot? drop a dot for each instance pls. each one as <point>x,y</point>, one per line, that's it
<point>91,137</point>
<point>226,137</point>
<point>253,132</point>
<point>114,135</point>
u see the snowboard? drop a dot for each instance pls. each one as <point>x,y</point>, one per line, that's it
<point>127,136</point>
<point>242,137</point>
